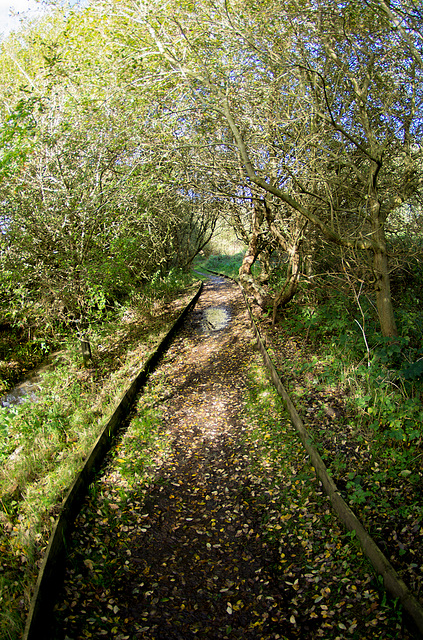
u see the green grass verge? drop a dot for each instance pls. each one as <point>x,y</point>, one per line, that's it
<point>43,444</point>
<point>332,588</point>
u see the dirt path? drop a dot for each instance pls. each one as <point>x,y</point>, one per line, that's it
<point>197,564</point>
<point>206,525</point>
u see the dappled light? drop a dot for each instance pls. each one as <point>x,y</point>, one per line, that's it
<point>206,520</point>
<point>147,145</point>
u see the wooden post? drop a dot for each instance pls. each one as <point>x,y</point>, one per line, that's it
<point>86,351</point>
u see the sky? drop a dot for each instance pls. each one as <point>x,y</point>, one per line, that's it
<point>28,8</point>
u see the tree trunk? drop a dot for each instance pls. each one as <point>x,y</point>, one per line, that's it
<point>265,264</point>
<point>290,287</point>
<point>288,292</point>
<point>383,295</point>
<point>245,275</point>
<point>384,304</point>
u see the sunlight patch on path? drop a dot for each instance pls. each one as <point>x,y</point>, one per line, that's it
<point>215,319</point>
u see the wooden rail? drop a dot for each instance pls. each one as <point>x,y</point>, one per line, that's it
<point>51,571</point>
<point>392,582</point>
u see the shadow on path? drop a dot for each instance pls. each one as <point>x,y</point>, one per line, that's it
<point>191,559</point>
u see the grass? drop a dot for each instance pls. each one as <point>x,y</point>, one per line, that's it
<point>44,443</point>
<point>227,264</point>
<point>326,574</point>
<point>361,398</point>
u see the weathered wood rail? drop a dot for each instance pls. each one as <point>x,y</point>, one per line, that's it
<point>51,571</point>
<point>392,582</point>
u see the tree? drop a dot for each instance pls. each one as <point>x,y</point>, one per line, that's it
<point>158,119</point>
<point>358,93</point>
<point>95,208</point>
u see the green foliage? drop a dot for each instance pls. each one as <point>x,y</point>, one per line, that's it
<point>227,264</point>
<point>165,286</point>
<point>16,134</point>
<point>384,390</point>
<point>414,371</point>
<point>332,315</point>
<point>7,443</point>
<point>397,419</point>
<point>143,437</point>
<point>357,493</point>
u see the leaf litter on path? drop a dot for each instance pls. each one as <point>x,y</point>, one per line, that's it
<point>207,522</point>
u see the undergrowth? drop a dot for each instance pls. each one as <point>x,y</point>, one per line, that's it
<point>43,443</point>
<point>381,378</point>
<point>360,397</point>
<point>227,264</point>
<point>333,589</point>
